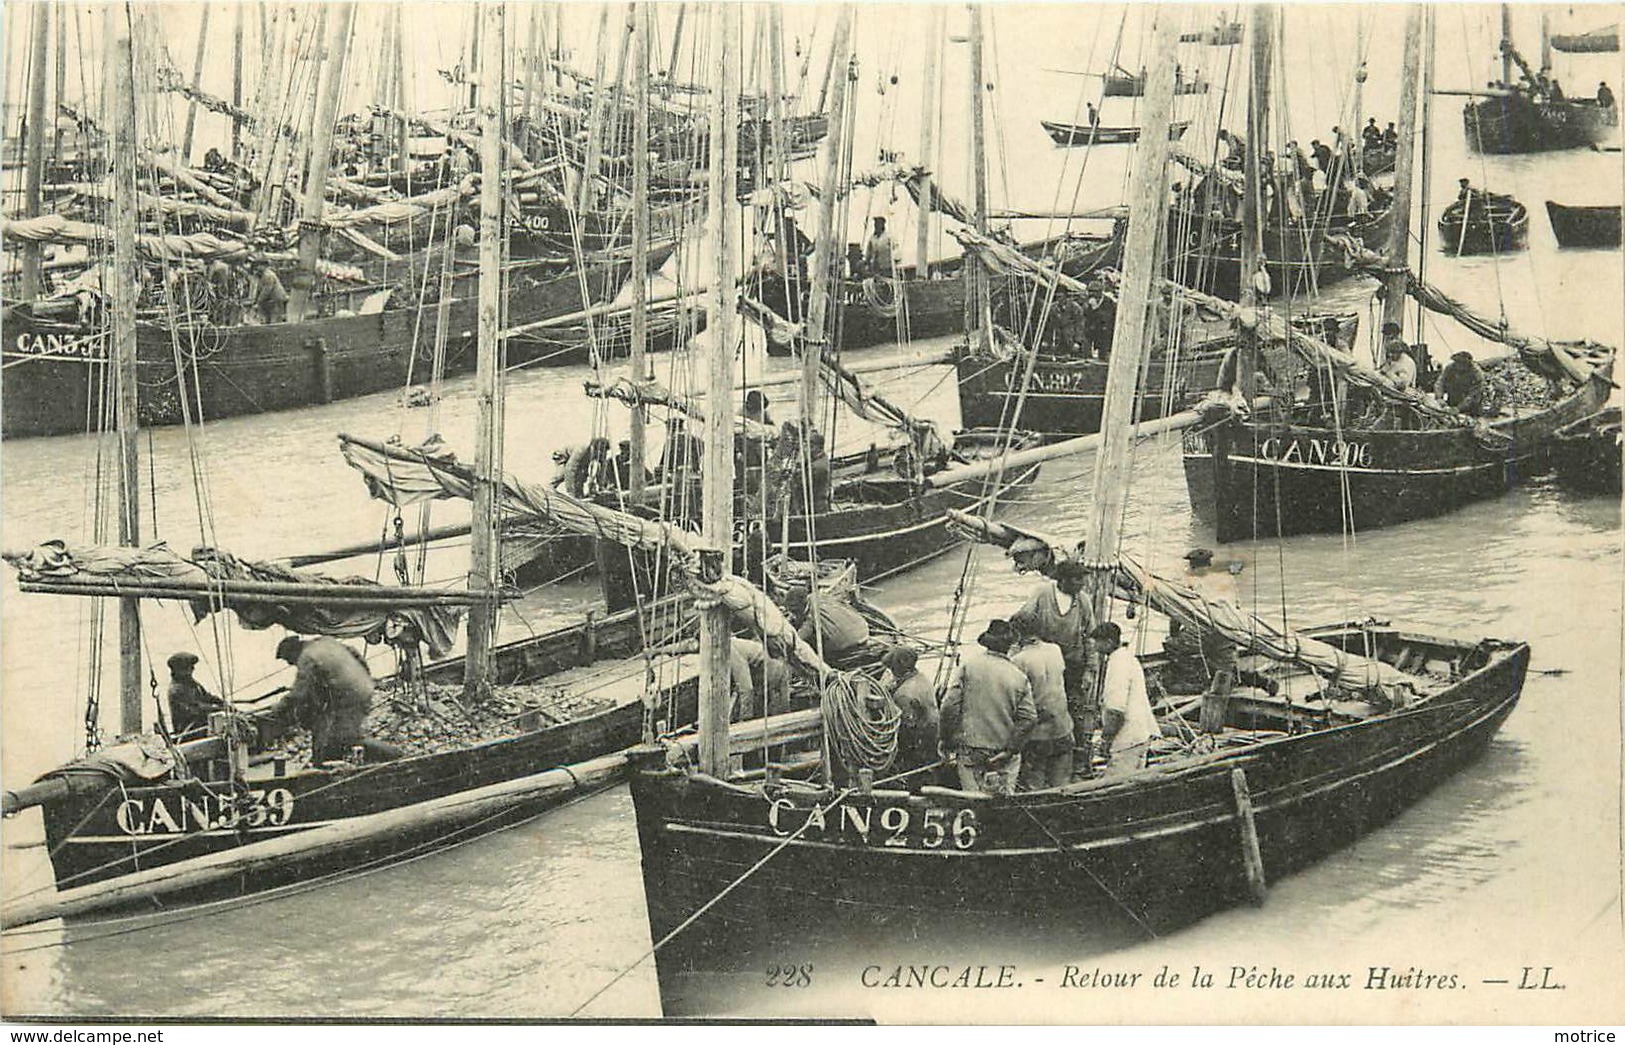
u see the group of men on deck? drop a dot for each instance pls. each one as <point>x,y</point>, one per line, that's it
<point>1084,329</point>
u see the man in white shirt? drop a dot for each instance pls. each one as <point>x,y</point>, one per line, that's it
<point>1127,726</point>
<point>1400,367</point>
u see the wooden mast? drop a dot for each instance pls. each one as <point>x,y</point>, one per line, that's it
<point>1393,291</point>
<point>34,143</point>
<point>1357,142</point>
<point>236,79</point>
<point>125,263</point>
<point>533,73</point>
<point>59,17</point>
<point>321,154</point>
<point>716,696</point>
<point>400,123</point>
<point>640,234</point>
<point>975,272</point>
<point>1545,40</point>
<point>197,84</point>
<point>595,118</point>
<point>928,137</point>
<point>828,251</point>
<point>676,45</point>
<point>1506,45</point>
<point>487,369</point>
<point>1253,215</point>
<point>1148,203</point>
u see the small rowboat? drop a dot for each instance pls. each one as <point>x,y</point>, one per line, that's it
<point>1584,226</point>
<point>1595,42</point>
<point>1586,454</point>
<point>1490,225</point>
<point>1124,84</point>
<point>1227,35</point>
<point>1069,134</point>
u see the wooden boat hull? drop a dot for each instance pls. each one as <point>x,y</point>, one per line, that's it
<point>1584,226</point>
<point>1065,396</point>
<point>1586,454</point>
<point>1501,230</point>
<point>1134,87</point>
<point>57,379</point>
<point>1254,480</point>
<point>1070,134</point>
<point>1604,41</point>
<point>1205,251</point>
<point>897,311</point>
<point>1159,849</point>
<point>107,830</point>
<point>1515,124</point>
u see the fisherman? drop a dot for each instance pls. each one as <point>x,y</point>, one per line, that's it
<point>1605,97</point>
<point>1462,384</point>
<point>270,299</point>
<point>988,713</point>
<point>836,632</point>
<point>225,304</point>
<point>1371,134</point>
<point>1400,367</point>
<point>1359,200</point>
<point>1390,137</point>
<point>915,696</point>
<point>818,472</point>
<point>214,161</point>
<point>877,253</point>
<point>760,681</point>
<point>331,695</point>
<point>1127,726</point>
<point>1099,320</point>
<point>1467,194</point>
<point>756,404</point>
<point>1323,156</point>
<point>1041,616</point>
<point>189,703</point>
<point>1046,759</point>
<point>1094,114</point>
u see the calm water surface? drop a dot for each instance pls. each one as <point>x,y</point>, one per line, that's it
<point>1514,862</point>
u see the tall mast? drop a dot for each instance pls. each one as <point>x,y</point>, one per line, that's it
<point>533,72</point>
<point>828,250</point>
<point>197,84</point>
<point>717,470</point>
<point>122,99</point>
<point>640,231</point>
<point>487,368</point>
<point>928,137</point>
<point>1253,215</point>
<point>1393,303</point>
<point>775,97</point>
<point>1545,39</point>
<point>402,126</point>
<point>34,177</point>
<point>1148,203</point>
<point>676,44</point>
<point>1506,44</point>
<point>595,118</point>
<point>1358,138</point>
<point>321,154</point>
<point>59,16</point>
<point>974,271</point>
<point>236,79</point>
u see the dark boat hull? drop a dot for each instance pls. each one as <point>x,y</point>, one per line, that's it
<point>1498,232</point>
<point>1160,849</point>
<point>1255,480</point>
<point>1602,42</point>
<point>1515,124</point>
<point>1586,454</point>
<point>1065,396</point>
<point>1134,87</point>
<point>1584,226</point>
<point>1205,251</point>
<point>57,380</point>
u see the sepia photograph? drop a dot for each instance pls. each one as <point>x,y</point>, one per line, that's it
<point>973,514</point>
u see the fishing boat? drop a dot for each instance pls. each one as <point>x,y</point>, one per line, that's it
<point>1530,115</point>
<point>1597,41</point>
<point>1489,224</point>
<point>1070,134</point>
<point>1225,34</point>
<point>1357,451</point>
<point>1359,722</point>
<point>1586,453</point>
<point>1584,226</point>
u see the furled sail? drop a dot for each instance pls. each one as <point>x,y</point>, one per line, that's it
<point>649,392</point>
<point>262,594</point>
<point>404,475</point>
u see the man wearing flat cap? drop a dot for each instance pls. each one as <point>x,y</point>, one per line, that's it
<point>189,703</point>
<point>1059,611</point>
<point>1462,384</point>
<point>988,713</point>
<point>331,695</point>
<point>1099,320</point>
<point>1128,727</point>
<point>1400,367</point>
<point>915,696</point>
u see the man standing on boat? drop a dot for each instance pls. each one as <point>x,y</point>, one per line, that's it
<point>1046,760</point>
<point>1099,320</point>
<point>1127,726</point>
<point>331,695</point>
<point>1041,616</point>
<point>1400,368</point>
<point>988,713</point>
<point>919,731</point>
<point>189,703</point>
<point>878,252</point>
